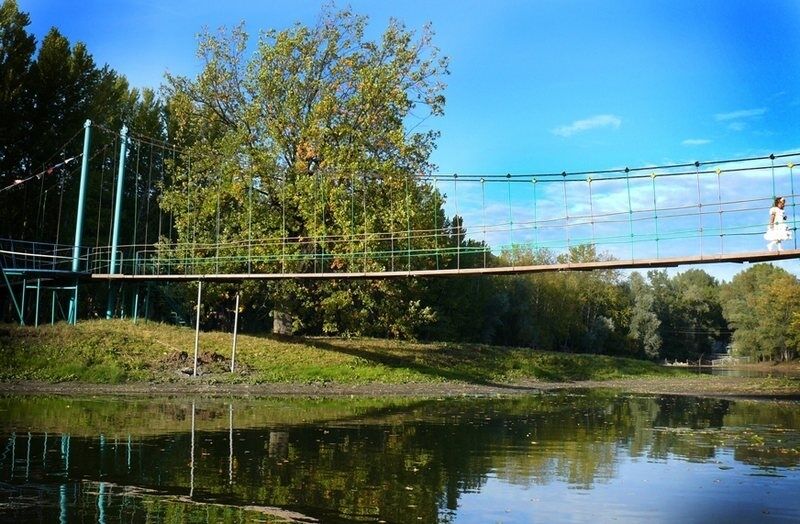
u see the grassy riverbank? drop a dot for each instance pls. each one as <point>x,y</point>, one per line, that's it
<point>119,356</point>
<point>117,351</point>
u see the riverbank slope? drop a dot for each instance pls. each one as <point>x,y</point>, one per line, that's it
<point>118,357</point>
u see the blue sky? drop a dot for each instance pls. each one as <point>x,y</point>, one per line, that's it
<point>535,86</point>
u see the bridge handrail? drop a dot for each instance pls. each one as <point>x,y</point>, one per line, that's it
<point>29,255</point>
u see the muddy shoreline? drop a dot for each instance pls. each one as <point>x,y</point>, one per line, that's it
<point>708,386</point>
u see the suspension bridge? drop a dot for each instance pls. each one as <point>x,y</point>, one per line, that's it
<point>121,195</point>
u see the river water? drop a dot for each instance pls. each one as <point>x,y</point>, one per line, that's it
<point>577,456</point>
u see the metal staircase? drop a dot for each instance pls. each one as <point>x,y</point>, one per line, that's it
<point>37,266</point>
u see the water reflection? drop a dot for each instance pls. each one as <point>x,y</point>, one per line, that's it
<point>744,372</point>
<point>555,457</point>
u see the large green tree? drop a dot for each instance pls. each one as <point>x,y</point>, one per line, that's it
<point>304,156</point>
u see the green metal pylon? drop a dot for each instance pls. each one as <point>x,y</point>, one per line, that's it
<point>76,250</point>
<point>117,210</point>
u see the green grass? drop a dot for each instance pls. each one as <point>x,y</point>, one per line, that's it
<point>117,351</point>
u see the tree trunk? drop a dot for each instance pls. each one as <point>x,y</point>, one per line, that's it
<point>282,323</point>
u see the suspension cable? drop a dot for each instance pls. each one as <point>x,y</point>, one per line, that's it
<point>136,180</point>
<point>149,195</point>
<point>655,210</point>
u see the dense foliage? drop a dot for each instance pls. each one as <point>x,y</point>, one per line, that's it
<point>312,135</point>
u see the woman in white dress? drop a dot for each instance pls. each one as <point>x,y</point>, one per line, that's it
<point>777,231</point>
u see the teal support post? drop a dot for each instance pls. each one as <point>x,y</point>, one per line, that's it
<point>22,305</point>
<point>101,504</point>
<point>38,294</point>
<point>112,269</point>
<point>14,297</point>
<point>62,505</point>
<point>76,250</point>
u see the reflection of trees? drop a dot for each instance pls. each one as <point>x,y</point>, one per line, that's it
<point>685,418</point>
<point>691,412</point>
<point>771,438</point>
<point>401,462</point>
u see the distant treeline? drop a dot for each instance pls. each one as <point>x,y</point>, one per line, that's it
<point>316,135</point>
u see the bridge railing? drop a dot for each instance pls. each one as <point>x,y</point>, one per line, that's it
<point>639,238</point>
<point>28,256</point>
<point>99,260</point>
<point>341,255</point>
<point>334,255</point>
<point>639,216</point>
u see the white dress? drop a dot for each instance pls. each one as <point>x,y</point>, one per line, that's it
<point>778,231</point>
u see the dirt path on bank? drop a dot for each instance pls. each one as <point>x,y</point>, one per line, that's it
<point>706,386</point>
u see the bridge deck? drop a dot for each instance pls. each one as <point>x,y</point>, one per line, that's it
<point>749,257</point>
<point>46,274</point>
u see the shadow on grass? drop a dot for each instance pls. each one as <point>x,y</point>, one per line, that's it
<point>398,362</point>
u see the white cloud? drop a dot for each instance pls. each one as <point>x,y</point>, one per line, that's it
<point>737,126</point>
<point>696,142</point>
<point>594,122</point>
<point>737,115</point>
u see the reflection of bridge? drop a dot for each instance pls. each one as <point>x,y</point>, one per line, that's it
<point>649,217</point>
